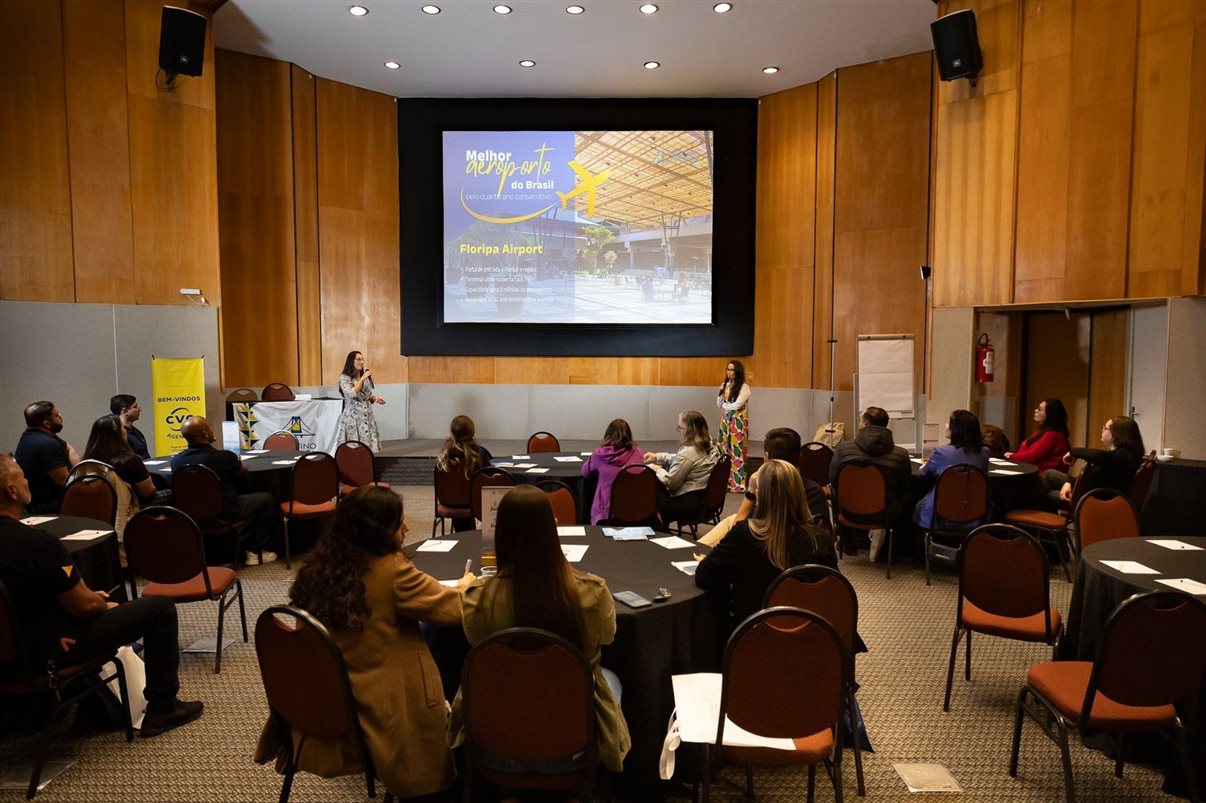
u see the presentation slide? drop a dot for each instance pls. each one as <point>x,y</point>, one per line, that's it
<point>578,227</point>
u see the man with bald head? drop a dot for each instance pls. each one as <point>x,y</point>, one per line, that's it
<point>67,623</point>
<point>258,509</point>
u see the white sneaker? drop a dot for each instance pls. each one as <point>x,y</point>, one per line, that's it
<point>253,559</point>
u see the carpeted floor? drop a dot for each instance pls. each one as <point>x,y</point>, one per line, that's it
<point>906,625</point>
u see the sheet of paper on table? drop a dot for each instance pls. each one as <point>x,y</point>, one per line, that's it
<point>1172,543</point>
<point>917,460</point>
<point>574,552</point>
<point>927,778</point>
<point>1002,472</point>
<point>85,535</point>
<point>505,465</point>
<point>672,542</point>
<point>521,457</point>
<point>697,702</point>
<point>257,451</point>
<point>282,462</point>
<point>687,567</point>
<point>565,531</point>
<point>537,471</point>
<point>996,461</point>
<point>628,533</point>
<point>449,583</point>
<point>570,459</point>
<point>436,545</point>
<point>1129,567</point>
<point>586,454</point>
<point>525,465</point>
<point>153,462</point>
<point>34,521</point>
<point>1184,584</point>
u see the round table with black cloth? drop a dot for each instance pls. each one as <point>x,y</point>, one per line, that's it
<point>678,636</point>
<point>567,471</point>
<point>1100,589</point>
<point>263,473</point>
<point>98,560</point>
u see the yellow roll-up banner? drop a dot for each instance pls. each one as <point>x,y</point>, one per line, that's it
<point>178,384</point>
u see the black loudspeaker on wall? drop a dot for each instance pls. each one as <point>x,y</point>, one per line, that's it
<point>181,41</point>
<point>956,46</point>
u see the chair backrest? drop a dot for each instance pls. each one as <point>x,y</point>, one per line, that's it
<point>634,495</point>
<point>315,479</point>
<point>822,590</point>
<point>543,442</point>
<point>354,460</point>
<point>242,395</point>
<point>861,490</point>
<point>276,391</point>
<point>528,698</point>
<point>92,497</point>
<point>197,491</point>
<point>1152,651</point>
<point>1003,570</point>
<point>1103,514</point>
<point>565,507</point>
<point>1142,483</point>
<point>717,488</point>
<point>451,488</point>
<point>814,461</point>
<point>318,702</point>
<point>960,497</point>
<point>486,475</point>
<point>785,674</point>
<point>163,545</point>
<point>127,503</point>
<point>281,442</point>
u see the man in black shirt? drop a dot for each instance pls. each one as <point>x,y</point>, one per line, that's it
<point>45,458</point>
<point>127,407</point>
<point>68,623</point>
<point>259,508</point>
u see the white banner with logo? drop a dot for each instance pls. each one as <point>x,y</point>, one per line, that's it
<point>315,424</point>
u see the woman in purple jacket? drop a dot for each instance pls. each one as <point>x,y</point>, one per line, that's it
<point>616,451</point>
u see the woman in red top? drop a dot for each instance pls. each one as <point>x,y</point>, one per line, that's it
<point>1047,446</point>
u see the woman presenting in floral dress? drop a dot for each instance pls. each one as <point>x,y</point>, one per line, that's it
<point>733,396</point>
<point>356,387</point>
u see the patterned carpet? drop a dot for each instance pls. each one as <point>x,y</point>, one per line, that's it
<point>907,626</point>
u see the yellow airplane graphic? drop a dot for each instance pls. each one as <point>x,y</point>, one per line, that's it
<point>587,185</point>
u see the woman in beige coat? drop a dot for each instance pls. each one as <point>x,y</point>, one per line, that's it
<point>371,597</point>
<point>536,587</point>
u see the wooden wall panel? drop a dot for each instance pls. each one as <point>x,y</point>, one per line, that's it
<point>173,170</point>
<point>786,221</point>
<point>305,216</point>
<point>255,215</point>
<point>822,307</point>
<point>98,138</point>
<point>1057,364</point>
<point>974,187</point>
<point>1195,240</point>
<point>880,220</point>
<point>35,195</point>
<point>1107,374</point>
<point>358,218</point>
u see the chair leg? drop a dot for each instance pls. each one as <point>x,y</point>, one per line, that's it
<point>967,658</point>
<point>858,749</point>
<point>1191,781</point>
<point>1016,747</point>
<point>52,708</point>
<point>749,782</point>
<point>1059,550</point>
<point>705,773</point>
<point>218,643</point>
<point>1118,762</point>
<point>287,786</point>
<point>1061,731</point>
<point>242,611</point>
<point>812,782</point>
<point>288,552</point>
<point>950,670</point>
<point>125,699</point>
<point>890,539</point>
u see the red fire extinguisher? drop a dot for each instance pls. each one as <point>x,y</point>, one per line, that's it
<point>985,354</point>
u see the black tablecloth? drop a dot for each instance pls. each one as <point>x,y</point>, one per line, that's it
<point>678,636</point>
<point>567,471</point>
<point>98,560</point>
<point>1174,503</point>
<point>263,471</point>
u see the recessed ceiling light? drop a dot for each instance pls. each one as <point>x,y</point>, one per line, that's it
<point>721,8</point>
<point>393,65</point>
<point>357,11</point>
<point>574,9</point>
<point>648,8</point>
<point>502,9</point>
<point>527,63</point>
<point>770,70</point>
<point>431,9</point>
<point>652,65</point>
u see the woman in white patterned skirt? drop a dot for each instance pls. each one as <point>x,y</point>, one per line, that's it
<point>356,387</point>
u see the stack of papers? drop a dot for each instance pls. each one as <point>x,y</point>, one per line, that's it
<point>628,533</point>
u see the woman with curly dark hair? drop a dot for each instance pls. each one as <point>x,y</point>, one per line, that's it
<point>359,583</point>
<point>461,454</point>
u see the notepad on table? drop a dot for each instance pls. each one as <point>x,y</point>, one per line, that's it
<point>1172,543</point>
<point>436,545</point>
<point>672,542</point>
<point>570,459</point>
<point>1129,567</point>
<point>85,535</point>
<point>537,471</point>
<point>1184,584</point>
<point>34,521</point>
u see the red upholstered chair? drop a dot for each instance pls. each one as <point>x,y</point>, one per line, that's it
<point>528,698</point>
<point>826,592</point>
<point>451,498</point>
<point>785,673</point>
<point>713,500</point>
<point>1102,514</point>
<point>1003,591</point>
<point>313,489</point>
<point>543,442</point>
<point>634,497</point>
<point>1150,660</point>
<point>281,442</point>
<point>1142,483</point>
<point>163,546</point>
<point>198,492</point>
<point>277,392</point>
<point>315,703</point>
<point>356,468</point>
<point>565,507</point>
<point>814,462</point>
<point>862,500</point>
<point>960,502</point>
<point>19,677</point>
<point>1050,527</point>
<point>486,475</point>
<point>90,496</point>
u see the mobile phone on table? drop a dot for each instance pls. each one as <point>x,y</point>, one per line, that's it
<point>632,599</point>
